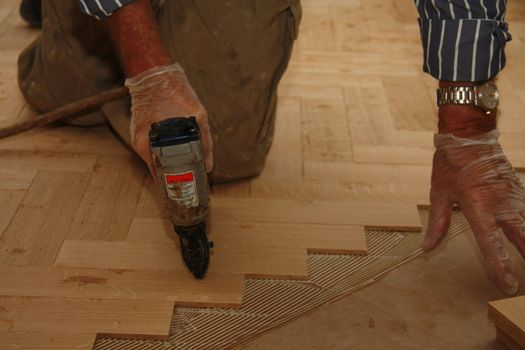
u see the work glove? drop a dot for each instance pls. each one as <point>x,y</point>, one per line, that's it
<point>475,174</point>
<point>160,93</point>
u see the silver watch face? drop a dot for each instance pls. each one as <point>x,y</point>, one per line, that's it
<point>488,96</point>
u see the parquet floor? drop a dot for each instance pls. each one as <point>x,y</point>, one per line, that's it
<point>84,253</point>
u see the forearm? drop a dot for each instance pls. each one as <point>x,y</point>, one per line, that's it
<point>136,37</point>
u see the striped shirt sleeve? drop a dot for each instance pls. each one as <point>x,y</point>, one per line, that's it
<point>101,8</point>
<point>463,40</point>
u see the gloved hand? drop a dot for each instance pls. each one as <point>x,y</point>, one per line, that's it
<point>475,174</point>
<point>159,93</point>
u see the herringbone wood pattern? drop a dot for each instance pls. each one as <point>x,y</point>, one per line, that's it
<point>83,251</point>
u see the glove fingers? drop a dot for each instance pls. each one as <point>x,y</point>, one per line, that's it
<point>485,227</point>
<point>513,225</point>
<point>498,259</point>
<point>438,221</point>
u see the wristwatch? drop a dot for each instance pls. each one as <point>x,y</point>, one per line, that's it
<point>484,96</point>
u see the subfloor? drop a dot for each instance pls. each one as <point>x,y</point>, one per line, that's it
<point>351,145</point>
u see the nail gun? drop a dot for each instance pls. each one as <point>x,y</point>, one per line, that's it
<point>177,154</point>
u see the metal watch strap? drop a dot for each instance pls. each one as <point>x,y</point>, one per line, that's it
<point>460,95</point>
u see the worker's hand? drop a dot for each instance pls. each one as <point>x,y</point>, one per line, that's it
<point>475,174</point>
<point>160,93</point>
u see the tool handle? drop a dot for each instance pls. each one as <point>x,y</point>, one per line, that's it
<point>65,111</point>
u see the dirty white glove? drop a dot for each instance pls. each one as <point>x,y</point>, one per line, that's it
<point>159,93</point>
<point>475,174</point>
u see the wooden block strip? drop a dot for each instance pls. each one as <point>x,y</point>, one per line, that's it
<point>262,262</point>
<point>216,290</point>
<point>392,154</point>
<point>14,180</point>
<point>9,202</point>
<point>63,139</point>
<point>287,139</point>
<point>367,173</point>
<point>401,216</point>
<point>46,341</point>
<point>509,316</point>
<point>43,219</point>
<point>120,318</point>
<point>358,191</point>
<point>52,161</point>
<point>336,239</point>
<point>109,200</point>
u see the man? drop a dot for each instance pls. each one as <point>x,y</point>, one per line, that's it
<point>234,54</point>
<point>235,76</point>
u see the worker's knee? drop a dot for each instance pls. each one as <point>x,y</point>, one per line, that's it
<point>237,158</point>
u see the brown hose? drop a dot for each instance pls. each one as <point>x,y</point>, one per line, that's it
<point>68,110</point>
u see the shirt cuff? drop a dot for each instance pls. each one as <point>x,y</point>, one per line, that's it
<point>101,8</point>
<point>463,49</point>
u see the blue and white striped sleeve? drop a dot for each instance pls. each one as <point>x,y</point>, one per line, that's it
<point>463,40</point>
<point>101,8</point>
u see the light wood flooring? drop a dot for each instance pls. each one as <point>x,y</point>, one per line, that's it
<point>84,253</point>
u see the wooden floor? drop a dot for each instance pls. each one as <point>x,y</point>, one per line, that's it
<point>83,253</point>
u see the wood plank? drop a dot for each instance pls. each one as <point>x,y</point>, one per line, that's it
<point>369,117</point>
<point>324,213</point>
<point>6,9</point>
<point>405,11</point>
<point>331,239</point>
<point>326,134</point>
<point>380,17</point>
<point>216,290</point>
<point>319,34</point>
<point>355,63</point>
<point>150,203</point>
<point>11,101</point>
<point>262,262</point>
<point>336,191</point>
<point>409,138</point>
<point>152,230</point>
<point>67,139</point>
<point>413,111</point>
<point>344,16</point>
<point>51,161</point>
<point>235,189</point>
<point>110,199</point>
<point>285,159</point>
<point>46,341</point>
<point>40,225</point>
<point>393,154</point>
<point>509,317</point>
<point>16,179</point>
<point>337,239</point>
<point>119,318</point>
<point>367,173</point>
<point>393,184</point>
<point>9,202</point>
<point>12,104</point>
<point>14,32</point>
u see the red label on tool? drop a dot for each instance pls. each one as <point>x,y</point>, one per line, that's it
<point>182,189</point>
<point>186,177</point>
